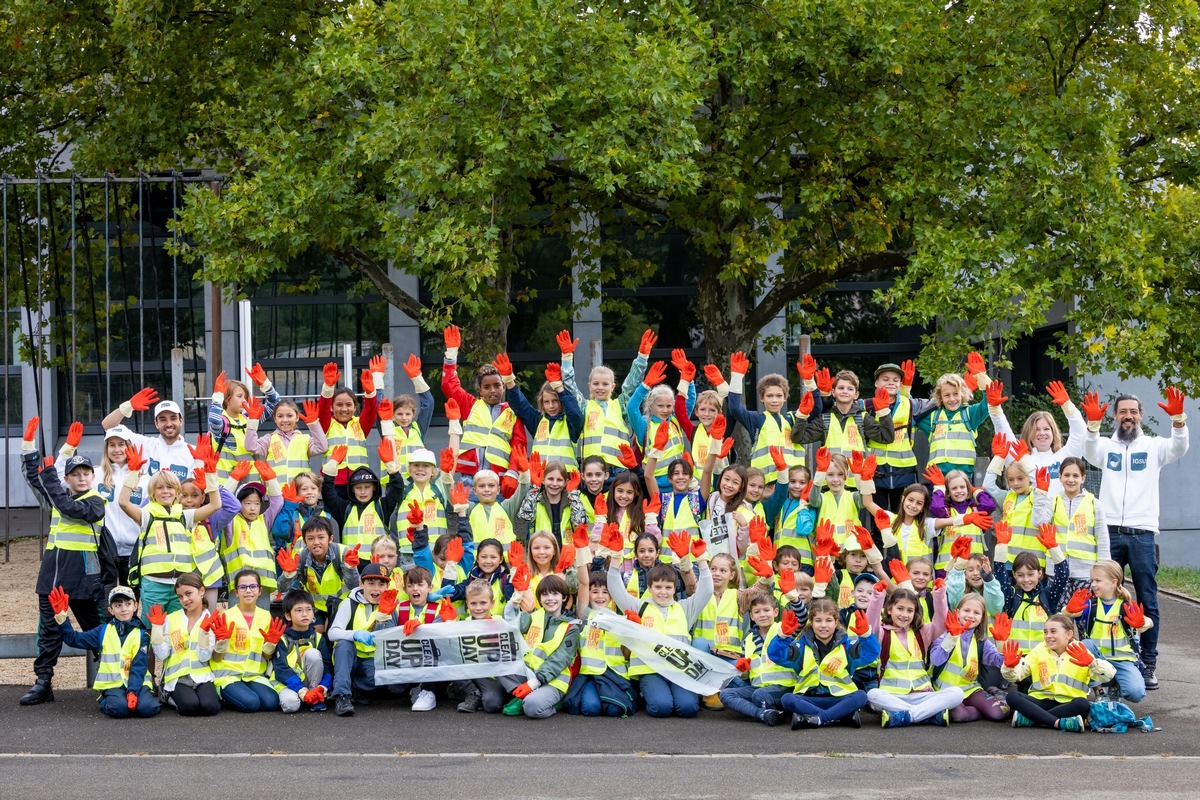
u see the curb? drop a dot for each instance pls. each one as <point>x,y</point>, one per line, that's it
<point>1182,598</point>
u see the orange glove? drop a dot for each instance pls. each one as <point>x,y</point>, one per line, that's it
<point>221,384</point>
<point>1042,477</point>
<point>961,549</point>
<point>1018,450</point>
<point>882,399</point>
<point>1058,393</point>
<point>787,581</point>
<point>726,446</point>
<point>1047,535</point>
<point>331,374</point>
<point>824,381</point>
<point>352,558</point>
<point>778,458</point>
<point>687,370</point>
<point>823,457</point>
<point>131,700</point>
<point>553,372</point>
<point>789,624</point>
<point>600,505</point>
<point>1135,616</point>
<point>566,345</point>
<point>1174,405</point>
<point>713,374</point>
<point>253,408</point>
<point>135,460</point>
<point>807,367</point>
<point>387,451</point>
<point>1001,627</point>
<point>758,531</point>
<point>454,550</point>
<point>1079,601</point>
<point>860,626</point>
<point>519,459</point>
<point>287,492</point>
<point>537,470</point>
<point>453,411</point>
<point>655,375</point>
<point>144,399</point>
<point>520,577</point>
<point>582,537</point>
<point>652,505</point>
<point>273,633</point>
<point>759,567</point>
<point>826,546</point>
<point>411,625</point>
<point>939,583</point>
<point>264,470</point>
<point>220,627</point>
<point>880,586</point>
<point>611,539</point>
<point>864,538</point>
<point>738,363</point>
<point>257,375</point>
<point>157,615</point>
<point>870,464</point>
<point>883,520</point>
<point>241,470</point>
<point>415,515</point>
<point>628,458</point>
<point>995,394</point>
<point>699,549</point>
<point>452,337</point>
<point>1003,532</point>
<point>387,411</point>
<point>446,460</point>
<point>909,372</point>
<point>516,552</point>
<point>633,616</point>
<point>446,612</point>
<point>661,436</point>
<point>1012,653</point>
<point>975,363</point>
<point>566,558</point>
<point>766,550</point>
<point>978,519</point>
<point>1000,446</point>
<point>806,405</point>
<point>523,691</point>
<point>934,475</point>
<point>388,601</point>
<point>412,367</point>
<point>337,453</point>
<point>573,479</point>
<point>898,571</point>
<point>679,542</point>
<point>742,665</point>
<point>719,426</point>
<point>649,339</point>
<point>75,434</point>
<point>953,626</point>
<point>823,570</point>
<point>287,560</point>
<point>503,365</point>
<point>856,462</point>
<point>1079,654</point>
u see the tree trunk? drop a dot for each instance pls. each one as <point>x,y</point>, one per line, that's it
<point>723,308</point>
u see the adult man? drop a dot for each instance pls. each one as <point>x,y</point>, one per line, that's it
<point>168,450</point>
<point>1131,461</point>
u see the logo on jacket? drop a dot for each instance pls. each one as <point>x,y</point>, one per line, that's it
<point>1138,461</point>
<point>1114,462</point>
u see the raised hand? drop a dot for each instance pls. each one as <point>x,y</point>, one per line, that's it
<point>144,399</point>
<point>628,458</point>
<point>789,624</point>
<point>995,394</point>
<point>459,495</point>
<point>367,380</point>
<point>953,626</point>
<point>726,446</point>
<point>870,464</point>
<point>573,479</point>
<point>1079,654</point>
<point>860,626</point>
<point>758,533</point>
<point>1092,408</point>
<point>566,345</point>
<point>412,367</point>
<point>1135,615</point>
<point>699,549</point>
<point>452,337</point>
<point>649,339</point>
<point>1042,476</point>
<point>221,384</point>
<point>656,373</point>
<point>652,505</point>
<point>975,363</point>
<point>807,367</point>
<point>287,560</point>
<point>75,434</point>
<point>446,610</point>
<point>806,405</point>
<point>1058,393</point>
<point>934,475</point>
<point>31,429</point>
<point>961,549</point>
<point>823,458</point>
<point>883,520</point>
<point>310,415</point>
<point>787,581</point>
<point>566,558</point>
<point>1047,535</point>
<point>503,365</point>
<point>1003,532</point>
<point>553,372</point>
<point>387,411</point>
<point>388,601</point>
<point>257,375</point>
<point>1174,402</point>
<point>824,381</point>
<point>520,577</point>
<point>220,628</point>
<point>898,571</point>
<point>240,470</point>
<point>759,567</point>
<point>882,399</point>
<point>661,436</point>
<point>581,537</point>
<point>1012,653</point>
<point>1001,627</point>
<point>600,505</point>
<point>446,460</point>
<point>352,558</point>
<point>454,550</point>
<point>453,411</point>
<point>1079,601</point>
<point>719,426</point>
<point>337,453</point>
<point>387,451</point>
<point>856,462</point>
<point>264,470</point>
<point>274,633</point>
<point>712,374</point>
<point>823,570</point>
<point>679,542</point>
<point>739,363</point>
<point>135,460</point>
<point>519,459</point>
<point>59,600</point>
<point>415,515</point>
<point>826,546</point>
<point>331,374</point>
<point>1000,446</point>
<point>909,372</point>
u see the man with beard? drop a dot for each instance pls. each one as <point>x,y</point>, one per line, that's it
<point>1131,461</point>
<point>166,451</point>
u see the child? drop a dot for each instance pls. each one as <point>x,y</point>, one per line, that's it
<point>769,682</point>
<point>963,654</point>
<point>325,571</point>
<point>595,474</point>
<point>227,419</point>
<point>169,543</point>
<point>544,558</point>
<point>114,465</point>
<point>406,419</point>
<point>246,543</point>
<point>958,509</point>
<point>1109,622</point>
<point>363,513</point>
<point>1043,437</point>
<point>1029,596</point>
<point>183,644</point>
<point>369,608</point>
<point>602,687</point>
<point>301,663</point>
<point>553,640</point>
<point>846,426</point>
<point>288,451</point>
<point>337,412</point>
<point>1024,507</point>
<point>482,693</point>
<point>727,515</point>
<point>193,497</point>
<point>831,501</point>
<point>301,502</point>
<point>553,503</point>
<point>246,638</point>
<point>624,498</point>
<point>824,659</point>
<point>951,425</point>
<point>1059,669</point>
<point>491,429</point>
<point>897,462</point>
<point>906,695</point>
<point>671,617</point>
<point>911,530</point>
<point>774,428</point>
<point>973,574</point>
<point>605,428</point>
<point>718,629</point>
<point>557,420</point>
<point>646,556</point>
<point>488,570</point>
<point>651,413</point>
<point>708,408</point>
<point>796,522</point>
<point>1080,517</point>
<point>126,687</point>
<point>80,555</point>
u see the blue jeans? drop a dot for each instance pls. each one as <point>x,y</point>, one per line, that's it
<point>351,673</point>
<point>249,697</point>
<point>827,707</point>
<point>662,697</point>
<point>583,698</point>
<point>750,700</point>
<point>1129,678</point>
<point>114,704</point>
<point>1138,553</point>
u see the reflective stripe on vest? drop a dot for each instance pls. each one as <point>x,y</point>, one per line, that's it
<point>833,672</point>
<point>764,671</point>
<point>720,622</point>
<point>681,518</point>
<point>355,440</point>
<point>956,672</point>
<point>290,459</point>
<point>183,660</point>
<point>244,659</point>
<point>1028,625</point>
<point>552,441</point>
<point>493,436</point>
<point>166,545</point>
<point>898,454</point>
<point>951,440</point>
<point>295,655</point>
<point>673,624</point>
<point>116,659</point>
<point>491,522</point>
<point>599,651</point>
<point>1018,512</point>
<point>604,431</point>
<point>364,524</point>
<point>1108,632</point>
<point>776,431</point>
<point>540,650</point>
<point>250,548</point>
<point>407,442</point>
<point>68,533</point>
<point>1054,677</point>
<point>233,451</point>
<point>905,671</point>
<point>1080,527</point>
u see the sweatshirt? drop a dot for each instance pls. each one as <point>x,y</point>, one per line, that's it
<point>1129,491</point>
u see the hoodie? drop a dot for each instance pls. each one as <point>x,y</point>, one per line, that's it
<point>1129,491</point>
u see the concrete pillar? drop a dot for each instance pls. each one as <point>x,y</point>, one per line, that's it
<point>404,333</point>
<point>767,362</point>
<point>588,323</point>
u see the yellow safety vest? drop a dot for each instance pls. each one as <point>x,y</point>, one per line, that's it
<point>599,651</point>
<point>68,533</point>
<point>846,439</point>
<point>1028,625</point>
<point>720,622</point>
<point>352,436</point>
<point>1108,632</point>
<point>764,671</point>
<point>493,436</point>
<point>947,537</point>
<point>681,519</point>
<point>841,511</point>
<point>789,534</point>
<point>295,655</point>
<point>184,660</point>
<point>490,521</point>
<point>1055,677</point>
<point>541,521</point>
<point>244,661</point>
<point>407,442</point>
<point>330,583</point>
<point>361,620</point>
<point>604,431</point>
<point>552,441</point>
<point>676,443</point>
<point>899,454</point>
<point>1080,528</point>
<point>952,441</point>
<point>1018,512</point>
<point>905,671</point>
<point>959,672</point>
<point>250,548</point>
<point>290,459</point>
<point>540,650</point>
<point>116,660</point>
<point>701,442</point>
<point>776,431</point>
<point>167,549</point>
<point>910,539</point>
<point>365,525</point>
<point>234,451</point>
<point>833,672</point>
<point>672,624</point>
<point>435,514</point>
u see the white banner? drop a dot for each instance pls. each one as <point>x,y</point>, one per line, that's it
<point>449,651</point>
<point>679,663</point>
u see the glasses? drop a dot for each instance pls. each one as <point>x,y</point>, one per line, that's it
<point>246,587</point>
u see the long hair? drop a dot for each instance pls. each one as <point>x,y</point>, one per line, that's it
<point>1042,416</point>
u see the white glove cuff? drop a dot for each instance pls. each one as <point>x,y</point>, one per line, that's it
<point>419,384</point>
<point>126,409</point>
<point>737,383</point>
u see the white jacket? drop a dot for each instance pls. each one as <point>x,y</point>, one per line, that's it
<point>1129,490</point>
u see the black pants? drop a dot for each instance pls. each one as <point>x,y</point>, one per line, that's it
<point>1047,712</point>
<point>50,642</point>
<point>196,701</point>
<point>123,571</point>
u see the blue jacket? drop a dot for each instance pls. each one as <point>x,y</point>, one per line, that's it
<point>93,639</point>
<point>789,652</point>
<point>530,417</point>
<point>292,640</point>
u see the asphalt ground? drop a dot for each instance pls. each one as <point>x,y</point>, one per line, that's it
<point>68,749</point>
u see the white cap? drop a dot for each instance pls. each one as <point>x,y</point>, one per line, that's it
<point>422,456</point>
<point>120,432</point>
<point>167,405</point>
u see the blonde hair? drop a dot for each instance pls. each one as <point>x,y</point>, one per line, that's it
<point>658,391</point>
<point>245,393</point>
<point>735,580</point>
<point>384,539</point>
<point>977,599</point>
<point>708,396</point>
<point>958,473</point>
<point>842,462</point>
<point>529,562</point>
<point>165,476</point>
<point>1056,441</point>
<point>805,581</point>
<point>309,476</point>
<point>1114,572</point>
<point>106,464</point>
<point>951,379</point>
<point>480,586</point>
<point>612,376</point>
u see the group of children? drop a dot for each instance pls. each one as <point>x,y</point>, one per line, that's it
<point>854,585</point>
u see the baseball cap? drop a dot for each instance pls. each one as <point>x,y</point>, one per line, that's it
<point>75,462</point>
<point>422,456</point>
<point>167,405</point>
<point>375,570</point>
<point>362,475</point>
<point>889,367</point>
<point>119,432</point>
<point>121,591</point>
<point>252,486</point>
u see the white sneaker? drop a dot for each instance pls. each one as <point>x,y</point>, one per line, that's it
<point>423,700</point>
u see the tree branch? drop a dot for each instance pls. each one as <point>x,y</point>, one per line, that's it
<point>651,205</point>
<point>378,275</point>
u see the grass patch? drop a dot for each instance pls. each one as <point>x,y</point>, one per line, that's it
<point>1180,579</point>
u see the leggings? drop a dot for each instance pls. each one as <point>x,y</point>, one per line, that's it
<point>979,705</point>
<point>195,701</point>
<point>826,707</point>
<point>920,706</point>
<point>1048,712</point>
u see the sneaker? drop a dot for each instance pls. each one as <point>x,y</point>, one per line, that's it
<point>41,692</point>
<point>1072,724</point>
<point>852,721</point>
<point>896,719</point>
<point>471,704</point>
<point>805,721</point>
<point>771,716</point>
<point>942,720</point>
<point>343,706</point>
<point>423,700</point>
<point>1019,720</point>
<point>1148,675</point>
<point>317,707</point>
<point>514,707</point>
<point>712,701</point>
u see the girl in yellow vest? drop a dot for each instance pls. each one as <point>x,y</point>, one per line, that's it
<point>183,643</point>
<point>906,695</point>
<point>1079,517</point>
<point>553,503</point>
<point>489,569</point>
<point>247,540</point>
<point>774,425</point>
<point>768,682</point>
<point>406,419</point>
<point>651,413</point>
<point>964,657</point>
<point>287,450</point>
<point>1026,505</point>
<point>1060,670</point>
<point>365,513</point>
<point>594,474</point>
<point>682,507</point>
<point>246,637</point>
<point>338,415</point>
<point>227,419</point>
<point>911,530</point>
<point>726,514</point>
<point>1110,620</point>
<point>1029,596</point>
<point>958,509</point>
<point>543,557</point>
<point>719,627</point>
<point>553,638</point>
<point>554,420</point>
<point>831,500</point>
<point>623,505</point>
<point>952,423</point>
